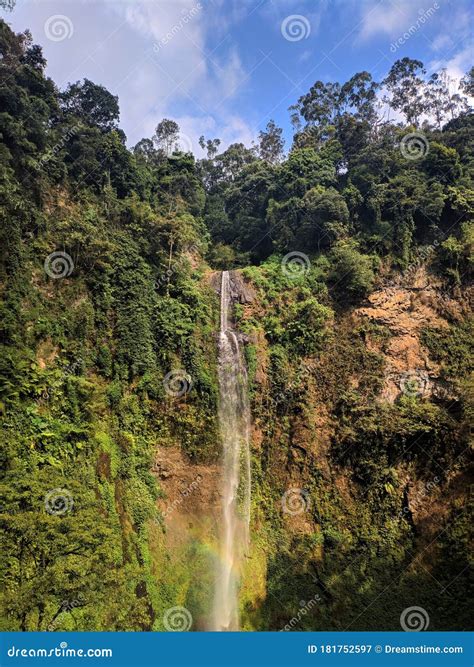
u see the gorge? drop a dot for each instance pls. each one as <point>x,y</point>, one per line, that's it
<point>152,300</point>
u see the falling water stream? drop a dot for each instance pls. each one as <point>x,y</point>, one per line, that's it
<point>234,422</point>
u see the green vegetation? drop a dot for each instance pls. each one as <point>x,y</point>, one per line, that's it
<point>83,357</point>
<point>105,262</point>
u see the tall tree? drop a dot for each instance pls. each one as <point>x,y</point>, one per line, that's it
<point>406,89</point>
<point>322,104</point>
<point>443,103</point>
<point>231,162</point>
<point>167,135</point>
<point>467,83</point>
<point>211,146</point>
<point>359,95</point>
<point>92,104</point>
<point>144,149</point>
<point>271,143</point>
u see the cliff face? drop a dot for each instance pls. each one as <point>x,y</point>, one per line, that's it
<point>359,454</point>
<point>184,543</point>
<point>406,310</point>
<point>359,459</point>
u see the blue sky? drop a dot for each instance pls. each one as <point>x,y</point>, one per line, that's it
<point>223,68</point>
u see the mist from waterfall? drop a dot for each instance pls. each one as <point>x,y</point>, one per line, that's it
<point>234,422</point>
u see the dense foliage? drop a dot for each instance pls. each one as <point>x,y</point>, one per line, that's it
<point>86,344</point>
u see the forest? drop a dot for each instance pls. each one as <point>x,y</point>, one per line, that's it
<point>353,246</point>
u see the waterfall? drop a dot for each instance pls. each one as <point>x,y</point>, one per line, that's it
<point>234,422</point>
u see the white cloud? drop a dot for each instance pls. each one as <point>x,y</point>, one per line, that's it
<point>441,42</point>
<point>154,55</point>
<point>232,129</point>
<point>227,76</point>
<point>387,18</point>
<point>456,65</point>
<point>306,55</point>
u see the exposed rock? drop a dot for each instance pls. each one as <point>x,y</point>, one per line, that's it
<point>241,292</point>
<point>406,309</point>
<point>189,488</point>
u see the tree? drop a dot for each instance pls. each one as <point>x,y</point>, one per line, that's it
<point>305,168</point>
<point>322,104</point>
<point>467,83</point>
<point>210,145</point>
<point>353,136</point>
<point>207,167</point>
<point>167,135</point>
<point>352,273</point>
<point>325,102</point>
<point>28,102</point>
<point>406,86</point>
<point>246,205</point>
<point>145,150</point>
<point>325,219</point>
<point>92,104</point>
<point>442,163</point>
<point>359,95</point>
<point>441,102</point>
<point>271,143</point>
<point>231,162</point>
<point>34,57</point>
